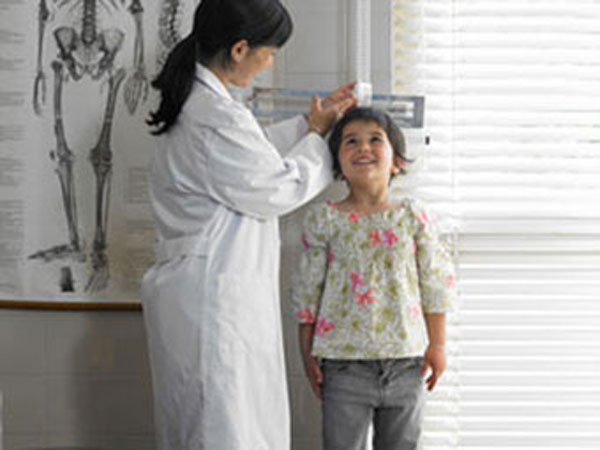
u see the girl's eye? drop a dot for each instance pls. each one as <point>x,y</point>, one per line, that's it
<point>351,141</point>
<point>376,139</point>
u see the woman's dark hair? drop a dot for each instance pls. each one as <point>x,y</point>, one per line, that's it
<point>378,116</point>
<point>218,24</point>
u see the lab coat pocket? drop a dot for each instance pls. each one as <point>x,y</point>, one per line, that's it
<point>248,312</point>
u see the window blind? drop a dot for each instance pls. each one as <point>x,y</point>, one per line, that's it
<point>512,107</point>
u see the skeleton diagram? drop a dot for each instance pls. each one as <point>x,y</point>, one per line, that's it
<point>169,24</point>
<point>88,50</point>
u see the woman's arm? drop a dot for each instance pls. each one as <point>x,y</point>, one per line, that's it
<point>283,135</point>
<point>247,174</point>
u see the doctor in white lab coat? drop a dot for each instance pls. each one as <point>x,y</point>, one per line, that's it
<point>218,184</point>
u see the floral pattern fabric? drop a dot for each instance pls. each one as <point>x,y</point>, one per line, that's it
<point>365,281</point>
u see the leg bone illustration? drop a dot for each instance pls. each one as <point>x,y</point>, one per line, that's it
<point>64,169</point>
<point>101,159</point>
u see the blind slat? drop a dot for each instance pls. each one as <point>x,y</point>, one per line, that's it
<point>512,98</point>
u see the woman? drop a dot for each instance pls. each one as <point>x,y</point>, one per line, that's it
<point>211,301</point>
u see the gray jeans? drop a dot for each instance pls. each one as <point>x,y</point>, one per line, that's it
<point>388,393</point>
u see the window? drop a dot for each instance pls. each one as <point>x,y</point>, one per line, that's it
<point>512,105</point>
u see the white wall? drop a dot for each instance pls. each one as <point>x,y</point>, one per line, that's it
<point>82,378</point>
<point>316,56</point>
<point>74,379</point>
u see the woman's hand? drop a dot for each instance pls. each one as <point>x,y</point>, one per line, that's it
<point>434,360</point>
<point>342,93</point>
<point>324,113</point>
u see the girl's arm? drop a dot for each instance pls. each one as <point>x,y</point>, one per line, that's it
<point>437,285</point>
<point>312,369</point>
<point>435,357</point>
<point>308,288</point>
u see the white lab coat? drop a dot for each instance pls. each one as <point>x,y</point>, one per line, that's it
<point>211,301</point>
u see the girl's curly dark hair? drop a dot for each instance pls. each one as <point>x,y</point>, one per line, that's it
<point>381,118</point>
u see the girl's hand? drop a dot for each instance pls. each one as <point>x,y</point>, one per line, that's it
<point>434,360</point>
<point>324,113</point>
<point>314,374</point>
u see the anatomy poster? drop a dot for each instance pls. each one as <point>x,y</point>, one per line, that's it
<point>75,222</point>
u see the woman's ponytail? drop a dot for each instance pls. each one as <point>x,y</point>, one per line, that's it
<point>174,82</point>
<point>218,24</point>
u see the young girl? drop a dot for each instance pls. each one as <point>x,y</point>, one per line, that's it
<point>372,292</point>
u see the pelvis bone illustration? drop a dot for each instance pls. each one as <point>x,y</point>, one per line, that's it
<point>88,51</point>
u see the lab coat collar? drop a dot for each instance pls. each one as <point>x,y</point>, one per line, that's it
<point>206,76</point>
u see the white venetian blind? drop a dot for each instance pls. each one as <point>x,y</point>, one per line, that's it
<point>513,113</point>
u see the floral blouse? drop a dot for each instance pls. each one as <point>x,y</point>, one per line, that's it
<point>366,280</point>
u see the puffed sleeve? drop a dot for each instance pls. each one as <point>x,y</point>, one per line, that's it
<point>309,281</point>
<point>247,174</point>
<point>436,271</point>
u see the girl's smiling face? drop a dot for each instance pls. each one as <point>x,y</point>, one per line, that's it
<point>365,153</point>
